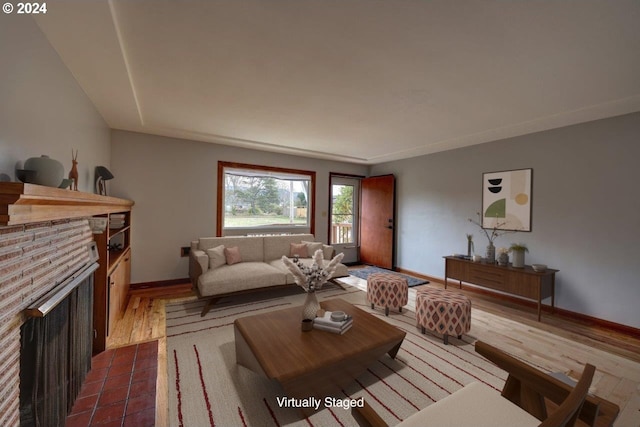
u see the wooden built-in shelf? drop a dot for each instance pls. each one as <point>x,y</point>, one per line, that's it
<point>27,203</point>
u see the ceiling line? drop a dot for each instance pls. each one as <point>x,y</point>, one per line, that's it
<point>247,143</point>
<point>126,60</point>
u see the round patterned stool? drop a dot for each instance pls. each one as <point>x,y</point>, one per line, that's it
<point>387,290</point>
<point>444,312</point>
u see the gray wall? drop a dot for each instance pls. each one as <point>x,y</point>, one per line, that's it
<point>42,108</point>
<point>174,183</point>
<point>585,211</point>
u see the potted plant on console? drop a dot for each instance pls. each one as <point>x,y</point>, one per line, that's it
<point>518,250</point>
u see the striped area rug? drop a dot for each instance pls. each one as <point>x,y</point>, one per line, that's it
<point>207,388</point>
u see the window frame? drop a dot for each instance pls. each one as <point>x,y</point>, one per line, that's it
<point>234,165</point>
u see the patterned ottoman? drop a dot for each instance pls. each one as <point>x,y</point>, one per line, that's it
<point>444,312</point>
<point>387,290</point>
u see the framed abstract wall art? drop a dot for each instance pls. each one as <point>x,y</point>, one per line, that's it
<point>506,200</point>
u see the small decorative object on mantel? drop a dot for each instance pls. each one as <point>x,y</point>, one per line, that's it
<point>503,256</point>
<point>73,173</point>
<point>470,249</point>
<point>311,278</point>
<point>49,172</point>
<point>518,250</point>
<point>102,176</point>
<point>490,256</point>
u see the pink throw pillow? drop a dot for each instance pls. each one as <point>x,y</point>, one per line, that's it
<point>232,255</point>
<point>299,250</point>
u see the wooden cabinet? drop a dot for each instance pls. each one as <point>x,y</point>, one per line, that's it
<point>523,282</point>
<point>119,280</point>
<point>113,277</point>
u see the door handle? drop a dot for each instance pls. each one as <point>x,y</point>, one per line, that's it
<point>390,227</point>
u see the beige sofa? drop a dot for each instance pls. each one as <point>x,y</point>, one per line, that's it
<point>261,264</point>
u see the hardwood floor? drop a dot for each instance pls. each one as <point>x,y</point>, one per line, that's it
<point>144,320</point>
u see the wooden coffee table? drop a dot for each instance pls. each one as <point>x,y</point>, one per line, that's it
<point>315,363</point>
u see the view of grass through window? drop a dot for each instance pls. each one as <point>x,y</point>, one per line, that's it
<point>255,198</point>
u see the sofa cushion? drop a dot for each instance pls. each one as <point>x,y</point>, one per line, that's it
<point>232,255</point>
<point>312,247</point>
<point>469,406</point>
<point>239,277</point>
<point>217,257</point>
<point>341,269</point>
<point>328,251</point>
<point>299,250</point>
<point>276,246</point>
<point>251,248</point>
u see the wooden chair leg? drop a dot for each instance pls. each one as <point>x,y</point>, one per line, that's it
<point>367,417</point>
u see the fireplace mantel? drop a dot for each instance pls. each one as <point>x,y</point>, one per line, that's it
<point>28,203</point>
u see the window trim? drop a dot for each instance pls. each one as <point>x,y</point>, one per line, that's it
<point>220,197</point>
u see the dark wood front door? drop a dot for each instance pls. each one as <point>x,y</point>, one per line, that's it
<point>377,221</point>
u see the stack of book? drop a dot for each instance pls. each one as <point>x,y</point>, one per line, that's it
<point>325,323</point>
<point>116,221</point>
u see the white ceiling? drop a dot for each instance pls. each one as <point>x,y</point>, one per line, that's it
<point>364,81</point>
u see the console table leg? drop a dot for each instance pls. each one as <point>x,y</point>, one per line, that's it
<point>539,308</point>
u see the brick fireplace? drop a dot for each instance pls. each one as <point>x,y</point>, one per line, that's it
<point>34,258</point>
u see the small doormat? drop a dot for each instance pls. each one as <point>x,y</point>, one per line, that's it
<point>363,273</point>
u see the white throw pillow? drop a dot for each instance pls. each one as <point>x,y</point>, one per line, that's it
<point>312,247</point>
<point>216,257</point>
<point>328,251</point>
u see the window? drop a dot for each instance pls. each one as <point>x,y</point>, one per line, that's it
<point>264,200</point>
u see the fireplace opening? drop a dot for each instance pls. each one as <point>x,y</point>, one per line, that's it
<point>56,350</point>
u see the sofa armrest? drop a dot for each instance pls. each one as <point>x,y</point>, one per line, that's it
<point>198,264</point>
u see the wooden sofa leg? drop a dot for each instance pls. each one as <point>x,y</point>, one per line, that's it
<point>210,303</point>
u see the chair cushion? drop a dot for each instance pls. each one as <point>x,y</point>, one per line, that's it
<point>475,405</point>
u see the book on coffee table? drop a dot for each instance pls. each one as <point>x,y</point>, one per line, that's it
<point>325,323</point>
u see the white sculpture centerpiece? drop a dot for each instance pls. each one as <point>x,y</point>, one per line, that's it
<point>311,278</point>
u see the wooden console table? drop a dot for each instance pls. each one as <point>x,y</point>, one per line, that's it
<point>523,282</point>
